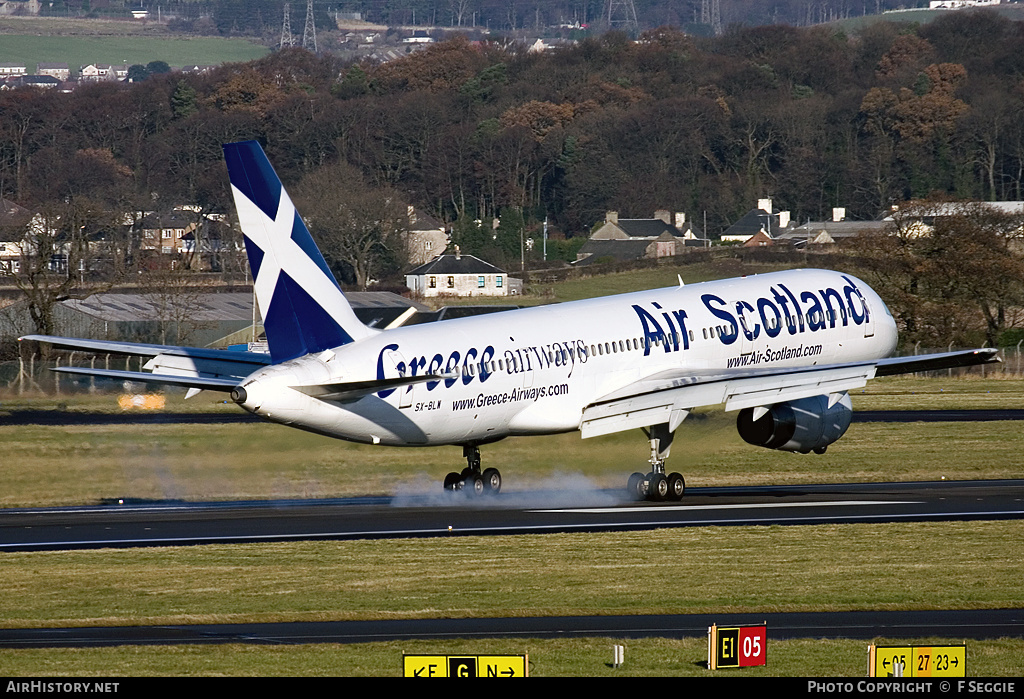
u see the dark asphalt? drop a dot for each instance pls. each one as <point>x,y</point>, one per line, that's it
<point>865,625</point>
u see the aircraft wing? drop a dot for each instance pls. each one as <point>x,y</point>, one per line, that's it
<point>669,396</point>
<point>193,367</point>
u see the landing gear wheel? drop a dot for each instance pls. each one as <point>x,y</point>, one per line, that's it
<point>453,481</point>
<point>492,480</point>
<point>474,485</point>
<point>676,486</point>
<point>637,486</point>
<point>659,487</point>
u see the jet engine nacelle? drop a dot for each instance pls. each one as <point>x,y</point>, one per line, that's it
<point>804,425</point>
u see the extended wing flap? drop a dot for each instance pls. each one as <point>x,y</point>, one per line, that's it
<point>754,391</point>
<point>656,400</point>
<point>666,397</point>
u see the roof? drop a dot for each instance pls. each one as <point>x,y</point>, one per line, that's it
<point>381,299</point>
<point>173,219</point>
<point>456,264</point>
<point>835,229</point>
<point>209,306</point>
<point>419,221</point>
<point>753,221</point>
<point>135,307</point>
<point>647,227</point>
<point>620,250</point>
<point>13,216</point>
<point>954,208</point>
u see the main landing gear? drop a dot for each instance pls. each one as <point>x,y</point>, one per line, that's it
<point>472,480</point>
<point>657,485</point>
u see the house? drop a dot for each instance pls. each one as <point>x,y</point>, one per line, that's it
<point>624,239</point>
<point>829,232</point>
<point>167,233</point>
<point>97,72</point>
<point>763,220</point>
<point>61,71</point>
<point>918,218</point>
<point>43,82</point>
<point>8,70</point>
<point>427,237</point>
<point>419,36</point>
<point>460,275</point>
<point>20,7</point>
<point>14,221</point>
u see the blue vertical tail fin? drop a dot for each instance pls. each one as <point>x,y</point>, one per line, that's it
<point>302,304</point>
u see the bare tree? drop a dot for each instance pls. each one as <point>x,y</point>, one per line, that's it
<point>360,228</point>
<point>62,248</point>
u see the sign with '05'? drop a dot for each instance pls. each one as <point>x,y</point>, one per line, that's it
<point>737,646</point>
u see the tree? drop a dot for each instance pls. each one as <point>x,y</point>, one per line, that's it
<point>974,259</point>
<point>361,230</point>
<point>63,244</point>
<point>962,275</point>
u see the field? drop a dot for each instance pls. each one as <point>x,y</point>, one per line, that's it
<point>759,569</point>
<point>219,462</point>
<point>80,43</point>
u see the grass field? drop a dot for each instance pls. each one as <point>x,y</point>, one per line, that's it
<point>748,569</point>
<point>742,569</point>
<point>591,657</point>
<point>78,51</point>
<point>80,42</point>
<point>81,464</point>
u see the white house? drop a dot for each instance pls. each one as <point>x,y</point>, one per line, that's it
<point>460,275</point>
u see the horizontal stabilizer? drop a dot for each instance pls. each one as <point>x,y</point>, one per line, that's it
<point>200,382</point>
<point>135,349</point>
<point>935,362</point>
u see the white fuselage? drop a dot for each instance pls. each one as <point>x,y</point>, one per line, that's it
<point>534,370</point>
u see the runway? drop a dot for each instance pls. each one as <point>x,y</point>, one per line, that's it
<point>569,509</point>
<point>961,624</point>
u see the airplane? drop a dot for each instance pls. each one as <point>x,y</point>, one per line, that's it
<point>783,349</point>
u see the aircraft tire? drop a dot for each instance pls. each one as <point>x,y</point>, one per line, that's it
<point>453,481</point>
<point>658,490</point>
<point>492,480</point>
<point>676,486</point>
<point>474,485</point>
<point>636,486</point>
